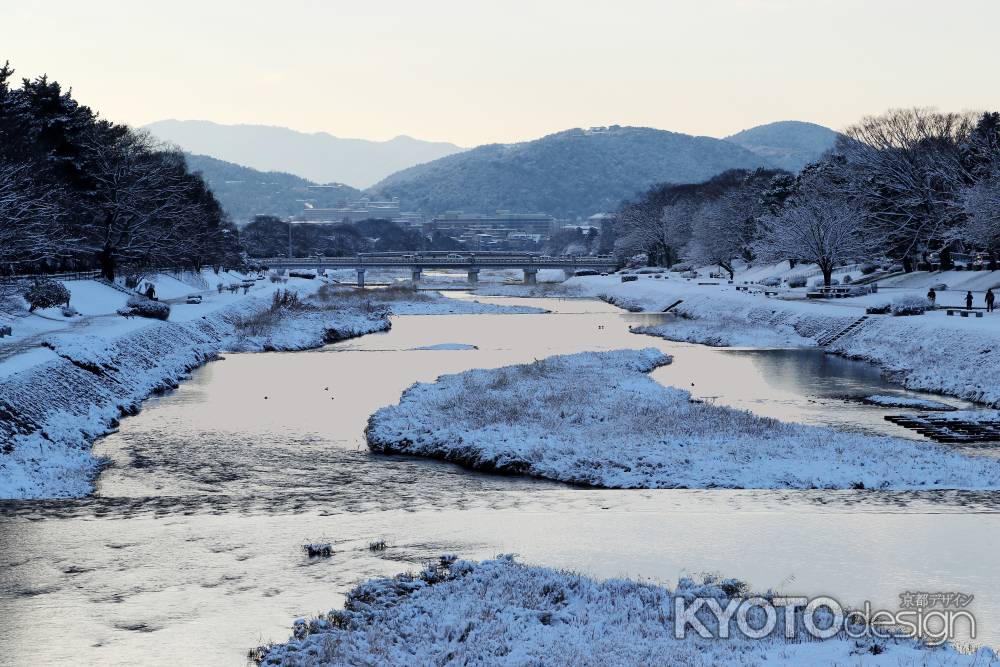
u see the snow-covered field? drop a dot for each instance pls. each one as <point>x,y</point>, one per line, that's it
<point>501,612</point>
<point>62,388</point>
<point>597,418</point>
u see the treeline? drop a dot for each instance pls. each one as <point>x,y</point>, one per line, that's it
<point>903,187</point>
<point>78,192</point>
<point>269,236</point>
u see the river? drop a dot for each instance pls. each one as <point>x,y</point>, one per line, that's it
<point>191,550</point>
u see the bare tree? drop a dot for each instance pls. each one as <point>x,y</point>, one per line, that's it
<point>982,208</point>
<point>659,236</point>
<point>906,168</point>
<point>29,217</point>
<point>723,229</point>
<point>816,225</point>
<point>143,211</point>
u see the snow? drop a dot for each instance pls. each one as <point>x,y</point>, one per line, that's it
<point>502,612</point>
<point>888,401</point>
<point>598,419</point>
<point>447,346</point>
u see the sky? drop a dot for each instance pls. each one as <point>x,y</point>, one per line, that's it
<point>477,71</point>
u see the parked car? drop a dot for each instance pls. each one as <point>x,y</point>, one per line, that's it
<point>193,298</point>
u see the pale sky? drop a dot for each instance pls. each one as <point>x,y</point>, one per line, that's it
<point>473,72</point>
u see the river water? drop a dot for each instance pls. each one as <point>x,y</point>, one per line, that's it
<point>191,550</point>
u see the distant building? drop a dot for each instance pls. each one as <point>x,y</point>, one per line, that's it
<point>501,224</point>
<point>600,220</point>
<point>353,211</point>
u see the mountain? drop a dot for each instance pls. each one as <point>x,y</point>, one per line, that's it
<point>567,174</point>
<point>320,157</point>
<point>245,192</point>
<point>789,144</point>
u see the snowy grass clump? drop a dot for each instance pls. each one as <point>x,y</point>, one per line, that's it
<point>909,304</point>
<point>889,401</point>
<point>501,612</point>
<point>318,549</point>
<point>598,419</point>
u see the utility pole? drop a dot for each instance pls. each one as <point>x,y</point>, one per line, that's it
<point>289,239</point>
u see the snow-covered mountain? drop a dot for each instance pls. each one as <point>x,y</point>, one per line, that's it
<point>788,144</point>
<point>572,173</point>
<point>319,157</point>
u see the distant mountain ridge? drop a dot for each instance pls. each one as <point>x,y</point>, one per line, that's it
<point>245,192</point>
<point>573,173</point>
<point>319,156</point>
<point>787,144</point>
<point>568,174</point>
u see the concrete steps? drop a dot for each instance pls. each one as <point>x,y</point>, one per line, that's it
<point>826,341</point>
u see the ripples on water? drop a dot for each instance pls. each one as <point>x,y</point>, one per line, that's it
<point>191,551</point>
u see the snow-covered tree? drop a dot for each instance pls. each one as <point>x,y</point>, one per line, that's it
<point>29,217</point>
<point>723,229</point>
<point>818,225</point>
<point>907,168</point>
<point>982,207</point>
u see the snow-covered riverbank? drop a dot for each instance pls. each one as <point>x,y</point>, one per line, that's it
<point>501,612</point>
<point>597,418</point>
<point>57,398</point>
<point>931,352</point>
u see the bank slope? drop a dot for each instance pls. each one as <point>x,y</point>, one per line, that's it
<point>597,418</point>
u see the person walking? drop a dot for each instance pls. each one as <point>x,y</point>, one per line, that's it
<point>968,300</point>
<point>990,298</point>
<point>932,296</point>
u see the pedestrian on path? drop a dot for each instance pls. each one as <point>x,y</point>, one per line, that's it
<point>932,296</point>
<point>968,300</point>
<point>990,298</point>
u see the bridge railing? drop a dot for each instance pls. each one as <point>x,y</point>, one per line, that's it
<point>417,260</point>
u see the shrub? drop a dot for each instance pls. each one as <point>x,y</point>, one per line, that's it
<point>910,305</point>
<point>69,311</point>
<point>318,550</point>
<point>220,287</point>
<point>640,259</point>
<point>819,282</point>
<point>879,308</point>
<point>683,266</point>
<point>46,293</point>
<point>140,306</point>
<point>868,269</point>
<point>797,281</point>
<point>285,299</point>
<point>848,280</point>
<point>689,274</point>
<point>379,545</point>
<point>771,282</point>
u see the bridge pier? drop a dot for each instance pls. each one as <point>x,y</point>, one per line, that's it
<point>361,277</point>
<point>415,274</point>
<point>473,276</point>
<point>530,276</point>
<point>568,273</point>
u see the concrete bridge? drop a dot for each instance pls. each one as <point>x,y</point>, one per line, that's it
<point>471,262</point>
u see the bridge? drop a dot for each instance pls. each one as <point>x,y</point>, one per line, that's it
<point>471,262</point>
